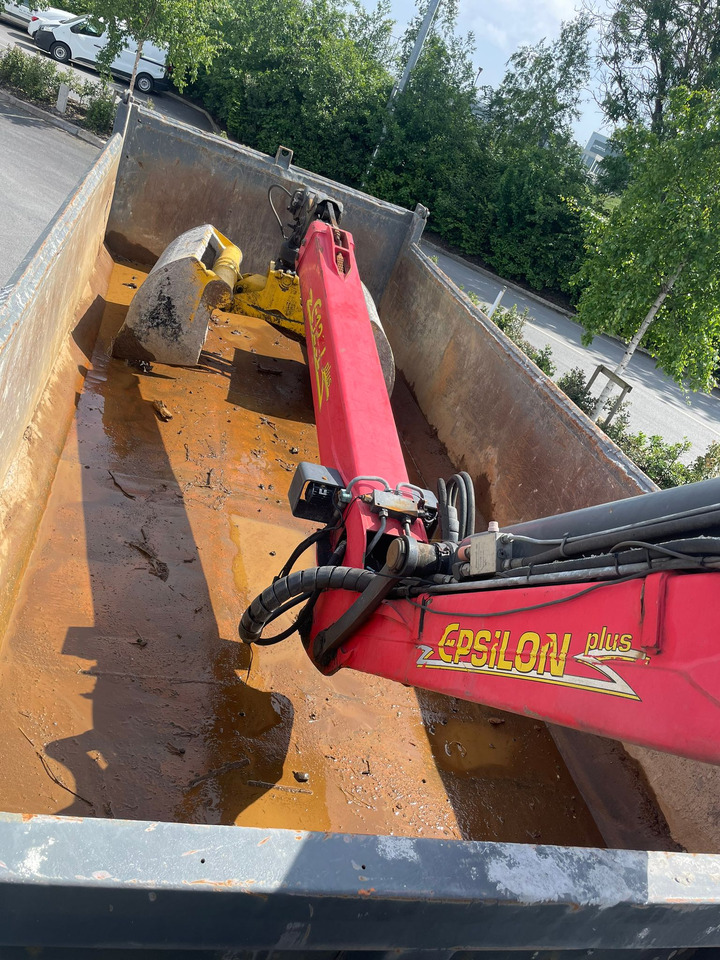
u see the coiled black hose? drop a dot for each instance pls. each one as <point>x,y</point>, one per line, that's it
<point>267,606</point>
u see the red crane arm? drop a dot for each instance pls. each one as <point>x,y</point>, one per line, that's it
<point>634,657</point>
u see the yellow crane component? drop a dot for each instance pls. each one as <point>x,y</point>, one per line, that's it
<point>274,297</point>
<point>199,272</point>
<point>227,262</point>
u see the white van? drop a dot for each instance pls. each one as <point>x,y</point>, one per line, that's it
<point>21,15</point>
<point>79,40</point>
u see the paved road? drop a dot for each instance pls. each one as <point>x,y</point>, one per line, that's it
<point>39,166</point>
<point>165,104</point>
<point>657,405</point>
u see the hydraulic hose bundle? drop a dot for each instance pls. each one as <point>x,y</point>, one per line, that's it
<point>287,591</point>
<point>456,507</point>
<point>456,520</point>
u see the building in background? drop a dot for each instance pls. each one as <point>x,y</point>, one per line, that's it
<point>598,147</point>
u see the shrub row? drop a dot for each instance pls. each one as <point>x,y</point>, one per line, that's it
<point>36,79</point>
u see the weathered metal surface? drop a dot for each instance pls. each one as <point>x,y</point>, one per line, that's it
<point>159,195</point>
<point>179,886</point>
<point>39,302</point>
<point>530,451</point>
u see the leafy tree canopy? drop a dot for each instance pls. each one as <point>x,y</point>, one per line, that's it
<point>432,130</point>
<point>188,29</point>
<point>539,96</point>
<point>649,47</point>
<point>661,243</point>
<point>527,119</point>
<point>309,74</point>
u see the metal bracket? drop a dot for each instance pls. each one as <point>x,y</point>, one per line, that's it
<point>312,491</point>
<point>625,387</point>
<point>396,505</point>
<point>283,157</point>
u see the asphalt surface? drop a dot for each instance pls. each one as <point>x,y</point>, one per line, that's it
<point>164,103</point>
<point>39,166</point>
<point>657,404</point>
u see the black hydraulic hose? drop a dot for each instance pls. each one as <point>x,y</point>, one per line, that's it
<point>303,621</point>
<point>284,634</point>
<point>303,546</point>
<point>449,526</point>
<point>457,496</point>
<point>605,540</point>
<point>456,507</point>
<point>470,504</point>
<point>264,608</point>
<point>376,539</point>
<point>443,509</point>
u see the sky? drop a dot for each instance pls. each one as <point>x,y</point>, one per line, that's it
<point>500,27</point>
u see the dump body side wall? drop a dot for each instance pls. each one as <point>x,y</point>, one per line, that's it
<point>173,178</point>
<point>56,283</point>
<point>42,297</point>
<point>135,884</point>
<point>529,449</point>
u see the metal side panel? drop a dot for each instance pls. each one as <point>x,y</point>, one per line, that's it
<point>134,885</point>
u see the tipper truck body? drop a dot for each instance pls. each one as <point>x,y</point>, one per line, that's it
<point>169,790</point>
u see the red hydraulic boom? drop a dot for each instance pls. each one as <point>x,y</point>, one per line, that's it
<point>604,620</point>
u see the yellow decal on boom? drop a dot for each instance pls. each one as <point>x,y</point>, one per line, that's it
<point>323,376</point>
<point>542,658</point>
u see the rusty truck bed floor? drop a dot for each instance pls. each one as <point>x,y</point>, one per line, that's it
<point>125,691</point>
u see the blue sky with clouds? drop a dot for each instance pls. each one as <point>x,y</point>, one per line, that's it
<point>500,27</point>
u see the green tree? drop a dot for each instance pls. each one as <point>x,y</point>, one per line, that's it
<point>652,272</point>
<point>188,29</point>
<point>533,233</point>
<point>433,151</point>
<point>649,47</point>
<point>540,94</point>
<point>527,121</point>
<point>308,74</point>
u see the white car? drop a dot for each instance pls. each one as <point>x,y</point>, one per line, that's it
<point>80,40</point>
<point>21,15</point>
<point>51,15</point>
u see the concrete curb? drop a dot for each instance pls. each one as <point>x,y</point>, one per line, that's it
<point>507,283</point>
<point>54,121</point>
<point>176,96</point>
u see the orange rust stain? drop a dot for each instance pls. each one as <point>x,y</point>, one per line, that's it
<point>122,655</point>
